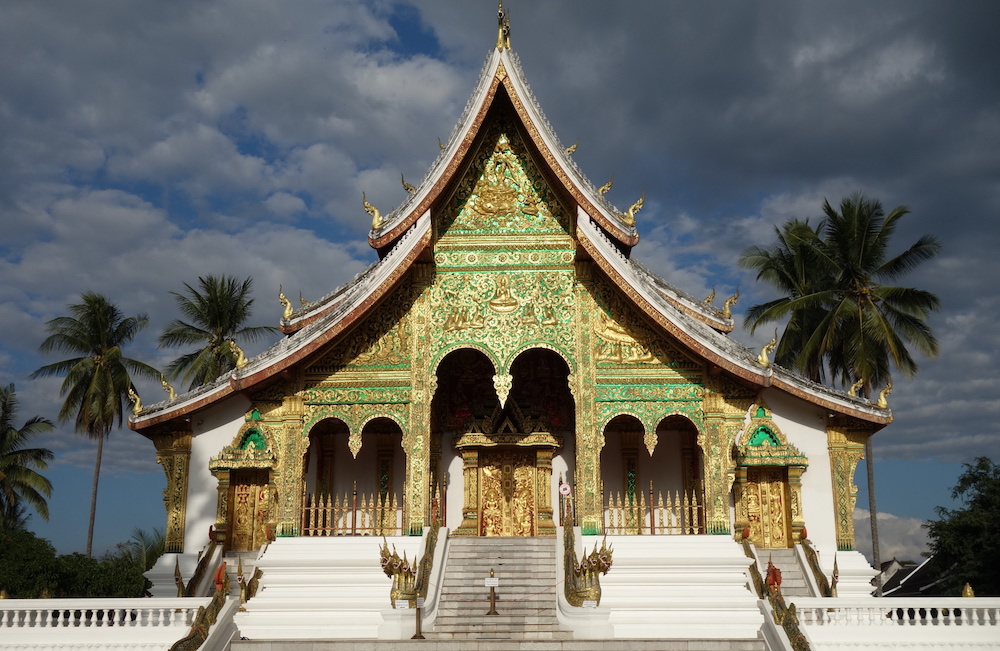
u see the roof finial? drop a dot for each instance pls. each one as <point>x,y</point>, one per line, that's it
<point>503,28</point>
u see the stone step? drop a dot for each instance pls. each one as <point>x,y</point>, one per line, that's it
<point>499,645</point>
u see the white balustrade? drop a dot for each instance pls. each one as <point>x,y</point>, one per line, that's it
<point>891,611</point>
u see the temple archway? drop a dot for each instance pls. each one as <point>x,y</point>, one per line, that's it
<point>353,480</point>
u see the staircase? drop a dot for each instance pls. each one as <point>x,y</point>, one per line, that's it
<point>526,596</point>
<point>793,581</point>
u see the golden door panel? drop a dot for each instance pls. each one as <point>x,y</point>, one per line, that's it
<point>507,490</point>
<point>248,506</point>
<point>766,501</point>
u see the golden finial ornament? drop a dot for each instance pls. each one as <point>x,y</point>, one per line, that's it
<point>406,186</point>
<point>967,591</point>
<point>440,144</point>
<point>603,190</point>
<point>303,301</point>
<point>373,211</point>
<point>241,358</point>
<point>883,396</point>
<point>710,298</point>
<point>764,359</point>
<point>287,314</point>
<point>727,307</point>
<point>633,210</point>
<point>572,148</point>
<point>503,28</point>
<point>853,391</point>
<point>136,400</point>
<point>171,394</point>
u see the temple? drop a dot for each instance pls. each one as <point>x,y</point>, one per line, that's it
<point>503,368</point>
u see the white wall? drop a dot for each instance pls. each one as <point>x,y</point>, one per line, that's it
<point>212,429</point>
<point>804,425</point>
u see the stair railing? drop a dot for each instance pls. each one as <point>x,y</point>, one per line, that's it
<point>583,577</point>
<point>769,588</point>
<point>826,588</point>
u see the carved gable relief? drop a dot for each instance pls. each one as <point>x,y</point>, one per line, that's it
<point>503,191</point>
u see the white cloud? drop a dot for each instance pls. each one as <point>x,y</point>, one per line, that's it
<point>900,538</point>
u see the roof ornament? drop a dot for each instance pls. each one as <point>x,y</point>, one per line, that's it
<point>629,216</point>
<point>727,307</point>
<point>171,394</point>
<point>136,400</point>
<point>764,359</point>
<point>287,314</point>
<point>603,190</point>
<point>241,358</point>
<point>440,144</point>
<point>883,396</point>
<point>503,28</point>
<point>373,211</point>
<point>572,148</point>
<point>711,297</point>
<point>406,186</point>
<point>303,301</point>
<point>853,391</point>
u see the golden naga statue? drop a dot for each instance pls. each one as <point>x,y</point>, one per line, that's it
<point>572,148</point>
<point>629,216</point>
<point>503,28</point>
<point>406,186</point>
<point>241,358</point>
<point>883,396</point>
<point>727,307</point>
<point>171,394</point>
<point>710,298</point>
<point>136,400</point>
<point>287,314</point>
<point>853,391</point>
<point>603,190</point>
<point>764,359</point>
<point>373,211</point>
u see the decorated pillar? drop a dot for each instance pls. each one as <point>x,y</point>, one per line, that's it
<point>589,441</point>
<point>290,479</point>
<point>846,440</point>
<point>221,527</point>
<point>173,452</point>
<point>725,404</point>
<point>543,491</point>
<point>423,382</point>
<point>470,508</point>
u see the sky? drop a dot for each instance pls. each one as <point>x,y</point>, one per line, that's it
<point>144,144</point>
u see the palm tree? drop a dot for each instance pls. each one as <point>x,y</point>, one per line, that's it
<point>792,266</point>
<point>216,314</point>
<point>20,482</point>
<point>844,317</point>
<point>98,377</point>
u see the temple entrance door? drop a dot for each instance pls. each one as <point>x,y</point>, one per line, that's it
<point>248,506</point>
<point>766,500</point>
<point>507,493</point>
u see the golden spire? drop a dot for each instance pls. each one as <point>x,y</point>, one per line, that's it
<point>503,28</point>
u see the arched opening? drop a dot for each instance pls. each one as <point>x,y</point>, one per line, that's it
<point>497,437</point>
<point>622,459</point>
<point>676,469</point>
<point>353,481</point>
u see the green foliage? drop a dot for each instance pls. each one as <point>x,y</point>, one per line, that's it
<point>20,481</point>
<point>964,544</point>
<point>842,319</point>
<point>216,315</point>
<point>29,567</point>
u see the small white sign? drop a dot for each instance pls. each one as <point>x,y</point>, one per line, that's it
<point>420,602</point>
<point>402,604</point>
<point>590,604</point>
<point>492,582</point>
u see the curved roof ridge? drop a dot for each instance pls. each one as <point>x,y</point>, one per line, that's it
<point>675,294</point>
<point>444,155</point>
<point>609,210</point>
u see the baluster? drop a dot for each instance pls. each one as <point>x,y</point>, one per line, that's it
<point>334,526</point>
<point>672,513</point>
<point>311,501</point>
<point>664,526</point>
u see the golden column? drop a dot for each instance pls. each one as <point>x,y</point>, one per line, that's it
<point>173,452</point>
<point>847,447</point>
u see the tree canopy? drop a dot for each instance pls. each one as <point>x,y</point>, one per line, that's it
<point>843,320</point>
<point>216,314</point>
<point>964,546</point>
<point>20,481</point>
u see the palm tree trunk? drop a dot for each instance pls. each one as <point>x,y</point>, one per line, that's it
<point>93,496</point>
<point>873,516</point>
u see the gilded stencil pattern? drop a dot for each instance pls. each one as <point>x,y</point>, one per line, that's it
<point>503,258</point>
<point>351,396</point>
<point>505,312</point>
<point>847,447</point>
<point>505,193</point>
